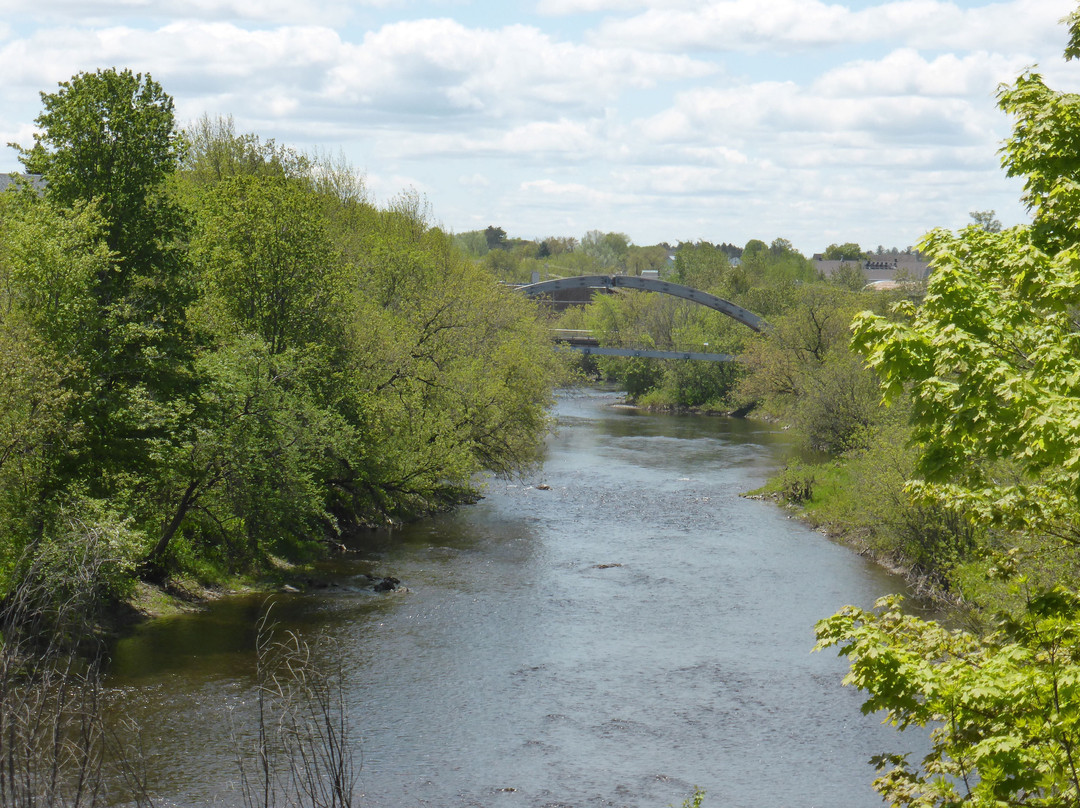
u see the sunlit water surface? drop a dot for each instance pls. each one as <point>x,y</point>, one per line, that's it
<point>631,632</point>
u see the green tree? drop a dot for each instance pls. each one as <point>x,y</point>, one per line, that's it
<point>110,136</point>
<point>662,322</point>
<point>803,371</point>
<point>639,259</point>
<point>271,318</point>
<point>215,152</point>
<point>986,220</point>
<point>607,249</point>
<point>1005,710</point>
<point>108,139</point>
<point>267,258</point>
<point>776,266</point>
<point>849,275</point>
<point>495,237</point>
<point>703,266</point>
<point>990,360</point>
<point>473,243</point>
<point>454,372</point>
<point>848,252</point>
<point>560,245</point>
<point>242,357</point>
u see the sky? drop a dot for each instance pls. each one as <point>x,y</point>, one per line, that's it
<point>667,120</point>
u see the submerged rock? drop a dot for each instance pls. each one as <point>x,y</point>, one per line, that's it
<point>387,584</point>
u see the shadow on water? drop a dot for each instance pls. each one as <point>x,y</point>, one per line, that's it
<point>613,631</point>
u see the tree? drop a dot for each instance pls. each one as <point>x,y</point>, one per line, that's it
<point>561,245</point>
<point>754,247</point>
<point>849,275</point>
<point>473,243</point>
<point>991,357</point>
<point>109,136</point>
<point>244,357</point>
<point>991,360</point>
<point>986,220</point>
<point>803,371</point>
<point>267,258</point>
<point>775,267</point>
<point>639,259</point>
<point>108,145</point>
<point>1005,709</point>
<point>780,246</point>
<point>215,152</point>
<point>608,249</point>
<point>495,237</point>
<point>703,266</point>
<point>843,252</point>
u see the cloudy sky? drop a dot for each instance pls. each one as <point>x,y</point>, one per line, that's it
<point>862,120</point>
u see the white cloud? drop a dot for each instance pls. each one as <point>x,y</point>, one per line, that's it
<point>20,133</point>
<point>752,25</point>
<point>683,180</point>
<point>854,106</point>
<point>563,142</point>
<point>107,12</point>
<point>432,71</point>
<point>587,6</point>
<point>886,127</point>
<point>474,181</point>
<point>543,138</point>
<point>207,54</point>
<point>552,191</point>
<point>907,72</point>
<point>388,186</point>
<point>430,67</point>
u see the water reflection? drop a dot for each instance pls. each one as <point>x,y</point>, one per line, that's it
<point>630,631</point>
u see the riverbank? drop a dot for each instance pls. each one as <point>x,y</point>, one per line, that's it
<point>181,595</point>
<point>922,585</point>
<point>860,502</point>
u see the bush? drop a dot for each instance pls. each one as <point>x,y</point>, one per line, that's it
<point>58,749</point>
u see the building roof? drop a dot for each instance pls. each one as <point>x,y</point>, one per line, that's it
<point>885,267</point>
<point>12,181</point>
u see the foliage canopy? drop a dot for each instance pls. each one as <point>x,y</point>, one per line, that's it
<point>220,345</point>
<point>991,364</point>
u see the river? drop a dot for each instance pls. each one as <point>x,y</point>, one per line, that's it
<point>632,631</point>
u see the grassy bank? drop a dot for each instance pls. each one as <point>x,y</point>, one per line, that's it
<point>862,500</point>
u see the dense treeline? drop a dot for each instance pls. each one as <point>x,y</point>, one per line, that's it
<point>214,349</point>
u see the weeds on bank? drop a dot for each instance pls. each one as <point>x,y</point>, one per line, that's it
<point>58,749</point>
<point>694,800</point>
<point>304,754</point>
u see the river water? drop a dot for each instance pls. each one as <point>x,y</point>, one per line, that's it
<point>630,632</point>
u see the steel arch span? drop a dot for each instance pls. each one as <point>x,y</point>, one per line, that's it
<point>738,313</point>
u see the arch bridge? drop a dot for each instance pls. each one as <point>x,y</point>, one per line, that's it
<point>738,313</point>
<point>585,343</point>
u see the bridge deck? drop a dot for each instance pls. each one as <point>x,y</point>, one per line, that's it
<point>587,343</point>
<point>647,354</point>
